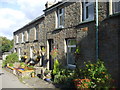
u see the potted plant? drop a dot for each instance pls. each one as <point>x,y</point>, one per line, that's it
<point>47,75</point>
<point>33,74</point>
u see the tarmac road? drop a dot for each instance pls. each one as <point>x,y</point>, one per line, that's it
<point>8,80</point>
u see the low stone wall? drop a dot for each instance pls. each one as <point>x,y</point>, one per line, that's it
<point>20,73</point>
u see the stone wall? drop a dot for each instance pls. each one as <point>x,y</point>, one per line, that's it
<point>72,14</point>
<point>25,46</point>
<point>86,42</point>
<point>109,44</point>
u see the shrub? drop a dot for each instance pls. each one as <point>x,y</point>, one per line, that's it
<point>56,68</point>
<point>64,77</point>
<point>12,58</point>
<point>97,73</point>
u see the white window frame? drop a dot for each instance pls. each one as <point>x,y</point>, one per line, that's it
<point>17,37</point>
<point>22,37</point>
<point>68,46</point>
<point>85,6</point>
<point>27,35</point>
<point>56,19</point>
<point>35,33</point>
<point>60,15</point>
<point>114,7</point>
<point>111,7</point>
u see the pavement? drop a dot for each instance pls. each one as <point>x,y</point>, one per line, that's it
<point>11,81</point>
<point>8,80</point>
<point>38,83</point>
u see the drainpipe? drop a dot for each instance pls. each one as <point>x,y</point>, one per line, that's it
<point>96,29</point>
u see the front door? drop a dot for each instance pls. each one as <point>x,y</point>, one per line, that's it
<point>51,46</point>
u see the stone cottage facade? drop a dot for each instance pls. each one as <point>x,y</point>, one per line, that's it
<point>70,25</point>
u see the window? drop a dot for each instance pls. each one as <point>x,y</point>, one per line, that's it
<point>116,7</point>
<point>23,37</point>
<point>60,18</point>
<point>27,36</point>
<point>17,39</point>
<point>71,47</point>
<point>36,32</point>
<point>87,11</point>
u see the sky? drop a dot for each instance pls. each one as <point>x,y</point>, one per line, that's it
<point>14,14</point>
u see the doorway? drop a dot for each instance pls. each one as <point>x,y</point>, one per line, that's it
<point>51,46</point>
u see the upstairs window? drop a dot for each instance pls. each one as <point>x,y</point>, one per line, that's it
<point>17,41</point>
<point>87,11</point>
<point>27,35</point>
<point>23,37</point>
<point>36,32</point>
<point>116,7</point>
<point>60,18</point>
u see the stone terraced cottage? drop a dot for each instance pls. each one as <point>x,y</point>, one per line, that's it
<point>67,25</point>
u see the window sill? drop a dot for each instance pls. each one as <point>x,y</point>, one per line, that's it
<point>113,15</point>
<point>35,41</point>
<point>59,28</point>
<point>86,21</point>
<point>27,42</point>
<point>71,66</point>
<point>22,42</point>
<point>17,43</point>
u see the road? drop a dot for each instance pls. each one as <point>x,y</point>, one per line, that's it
<point>8,80</point>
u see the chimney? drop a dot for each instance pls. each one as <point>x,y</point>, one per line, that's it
<point>48,4</point>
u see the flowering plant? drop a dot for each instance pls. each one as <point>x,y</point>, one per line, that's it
<point>98,74</point>
<point>82,83</point>
<point>54,53</point>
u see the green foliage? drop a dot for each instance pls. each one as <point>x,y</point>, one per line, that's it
<point>43,49</point>
<point>97,73</point>
<point>30,66</point>
<point>12,58</point>
<point>77,50</point>
<point>6,44</point>
<point>93,75</point>
<point>46,72</point>
<point>56,67</point>
<point>11,64</point>
<point>64,77</point>
<point>23,65</point>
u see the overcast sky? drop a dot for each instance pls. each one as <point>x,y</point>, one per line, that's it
<point>16,13</point>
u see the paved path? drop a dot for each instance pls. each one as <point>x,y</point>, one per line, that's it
<point>8,80</point>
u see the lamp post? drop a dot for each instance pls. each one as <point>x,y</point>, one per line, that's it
<point>96,29</point>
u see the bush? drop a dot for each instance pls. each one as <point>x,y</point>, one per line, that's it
<point>64,77</point>
<point>56,68</point>
<point>97,73</point>
<point>12,58</point>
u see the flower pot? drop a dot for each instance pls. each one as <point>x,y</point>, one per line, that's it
<point>33,74</point>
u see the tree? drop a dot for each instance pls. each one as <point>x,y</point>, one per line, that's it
<point>5,44</point>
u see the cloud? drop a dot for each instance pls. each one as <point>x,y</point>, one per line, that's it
<point>14,14</point>
<point>11,20</point>
<point>32,8</point>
